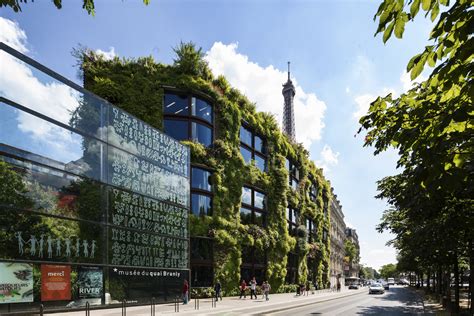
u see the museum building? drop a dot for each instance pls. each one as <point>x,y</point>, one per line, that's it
<point>106,193</point>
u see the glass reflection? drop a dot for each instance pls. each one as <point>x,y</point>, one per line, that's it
<point>201,205</point>
<point>259,200</point>
<point>247,195</point>
<point>246,154</point>
<point>259,144</point>
<point>46,95</point>
<point>202,109</point>
<point>24,134</point>
<point>202,134</point>
<point>260,163</point>
<point>259,219</point>
<point>176,129</point>
<point>245,136</point>
<point>245,216</point>
<point>201,179</point>
<point>175,104</point>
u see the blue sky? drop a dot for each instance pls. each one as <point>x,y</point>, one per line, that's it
<point>337,65</point>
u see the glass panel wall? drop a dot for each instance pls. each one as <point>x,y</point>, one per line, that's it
<point>252,148</point>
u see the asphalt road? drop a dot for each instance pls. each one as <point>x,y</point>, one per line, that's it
<point>397,301</point>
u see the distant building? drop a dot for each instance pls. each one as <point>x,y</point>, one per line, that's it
<point>288,111</point>
<point>337,235</point>
<point>351,269</point>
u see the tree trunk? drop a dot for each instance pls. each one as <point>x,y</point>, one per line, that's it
<point>471,275</point>
<point>456,284</point>
<point>428,276</point>
<point>440,278</point>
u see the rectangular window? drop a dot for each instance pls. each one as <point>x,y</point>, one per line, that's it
<point>201,179</point>
<point>201,205</point>
<point>245,136</point>
<point>252,148</point>
<point>247,154</point>
<point>245,216</point>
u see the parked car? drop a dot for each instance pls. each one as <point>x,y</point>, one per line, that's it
<point>376,288</point>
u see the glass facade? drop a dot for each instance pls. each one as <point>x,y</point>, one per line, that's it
<point>253,210</point>
<point>294,174</point>
<point>89,191</point>
<point>188,118</point>
<point>252,148</point>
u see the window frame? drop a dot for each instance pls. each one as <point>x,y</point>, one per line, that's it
<point>252,207</point>
<point>254,152</point>
<point>188,117</point>
<point>199,191</point>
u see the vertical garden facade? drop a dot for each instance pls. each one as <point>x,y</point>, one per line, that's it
<point>94,203</point>
<point>258,206</point>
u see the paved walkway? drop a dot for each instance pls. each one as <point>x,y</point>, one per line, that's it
<point>228,305</point>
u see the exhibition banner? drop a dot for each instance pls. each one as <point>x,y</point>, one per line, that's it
<point>90,282</point>
<point>16,283</point>
<point>55,282</point>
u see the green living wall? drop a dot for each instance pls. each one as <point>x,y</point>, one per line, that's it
<point>138,86</point>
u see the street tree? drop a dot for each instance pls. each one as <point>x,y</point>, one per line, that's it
<point>432,127</point>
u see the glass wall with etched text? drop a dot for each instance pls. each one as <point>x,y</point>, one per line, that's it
<point>94,203</point>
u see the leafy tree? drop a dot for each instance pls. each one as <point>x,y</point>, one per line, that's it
<point>388,271</point>
<point>88,5</point>
<point>190,60</point>
<point>432,127</point>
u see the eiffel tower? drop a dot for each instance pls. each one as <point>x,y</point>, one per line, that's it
<point>288,110</point>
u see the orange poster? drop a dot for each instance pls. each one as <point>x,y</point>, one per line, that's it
<point>55,282</point>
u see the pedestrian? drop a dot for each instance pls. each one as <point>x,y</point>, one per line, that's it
<point>338,286</point>
<point>266,289</point>
<point>217,290</point>
<point>307,288</point>
<point>185,292</point>
<point>243,287</point>
<point>253,288</point>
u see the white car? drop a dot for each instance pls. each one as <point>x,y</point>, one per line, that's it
<point>376,288</point>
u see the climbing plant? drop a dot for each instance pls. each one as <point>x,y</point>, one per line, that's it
<point>138,86</point>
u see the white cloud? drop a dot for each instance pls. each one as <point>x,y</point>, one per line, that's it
<point>328,158</point>
<point>108,55</point>
<point>27,86</point>
<point>377,257</point>
<point>264,85</point>
<point>12,35</point>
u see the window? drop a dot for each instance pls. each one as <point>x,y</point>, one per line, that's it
<point>201,205</point>
<point>253,264</point>
<point>312,229</point>
<point>188,118</point>
<point>292,269</point>
<point>313,191</point>
<point>201,179</point>
<point>252,148</point>
<point>201,192</point>
<point>253,207</point>
<point>292,217</point>
<point>325,235</point>
<point>294,174</point>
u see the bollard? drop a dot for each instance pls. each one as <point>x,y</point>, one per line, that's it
<point>41,309</point>
<point>152,307</point>
<point>124,308</point>
<point>88,309</point>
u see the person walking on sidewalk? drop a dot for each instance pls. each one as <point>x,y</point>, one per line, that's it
<point>253,288</point>
<point>185,292</point>
<point>266,289</point>
<point>217,290</point>
<point>243,287</point>
<point>338,286</point>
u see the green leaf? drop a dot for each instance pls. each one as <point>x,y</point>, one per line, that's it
<point>399,27</point>
<point>418,68</point>
<point>432,59</point>
<point>414,8</point>
<point>458,160</point>
<point>388,31</point>
<point>413,61</point>
<point>426,5</point>
<point>444,2</point>
<point>434,12</point>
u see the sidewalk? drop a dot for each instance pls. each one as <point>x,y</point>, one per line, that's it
<point>228,305</point>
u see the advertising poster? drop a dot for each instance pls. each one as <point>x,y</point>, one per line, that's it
<point>55,282</point>
<point>16,283</point>
<point>90,282</point>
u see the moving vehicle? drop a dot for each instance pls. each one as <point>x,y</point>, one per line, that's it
<point>353,283</point>
<point>376,288</point>
<point>391,281</point>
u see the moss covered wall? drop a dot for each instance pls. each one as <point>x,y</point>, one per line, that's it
<point>138,85</point>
